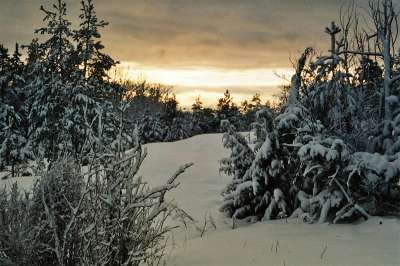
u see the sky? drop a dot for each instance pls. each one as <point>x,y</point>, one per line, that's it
<point>201,47</point>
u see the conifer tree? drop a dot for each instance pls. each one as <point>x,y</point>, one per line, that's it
<point>95,63</point>
<point>50,86</point>
<point>227,110</point>
<point>90,94</point>
<point>204,119</point>
<point>238,195</point>
<point>14,145</point>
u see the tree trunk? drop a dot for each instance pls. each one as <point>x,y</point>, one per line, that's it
<point>387,78</point>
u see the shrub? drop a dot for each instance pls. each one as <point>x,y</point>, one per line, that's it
<point>105,216</point>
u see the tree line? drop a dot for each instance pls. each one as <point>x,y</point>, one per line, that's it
<point>155,112</point>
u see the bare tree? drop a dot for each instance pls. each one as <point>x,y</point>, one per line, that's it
<point>384,38</point>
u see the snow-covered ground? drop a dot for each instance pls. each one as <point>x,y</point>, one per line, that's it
<point>265,243</point>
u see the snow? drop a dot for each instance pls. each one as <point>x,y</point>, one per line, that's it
<point>376,163</point>
<point>298,244</point>
<point>24,182</point>
<point>201,185</point>
<point>278,242</point>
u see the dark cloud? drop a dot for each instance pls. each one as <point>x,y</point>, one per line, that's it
<point>181,33</point>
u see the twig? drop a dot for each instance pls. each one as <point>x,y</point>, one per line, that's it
<point>323,252</point>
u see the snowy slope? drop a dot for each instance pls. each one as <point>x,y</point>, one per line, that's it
<point>266,243</point>
<point>201,184</point>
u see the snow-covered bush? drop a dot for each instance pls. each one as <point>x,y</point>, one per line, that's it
<point>297,171</point>
<point>15,231</point>
<point>55,214</point>
<point>321,165</point>
<point>238,199</point>
<point>322,157</point>
<point>275,170</point>
<point>261,126</point>
<point>106,215</point>
<point>374,179</point>
<point>386,136</point>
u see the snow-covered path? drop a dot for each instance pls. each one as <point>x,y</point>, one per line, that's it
<point>201,184</point>
<point>272,243</point>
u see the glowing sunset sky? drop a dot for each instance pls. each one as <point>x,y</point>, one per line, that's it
<point>201,47</point>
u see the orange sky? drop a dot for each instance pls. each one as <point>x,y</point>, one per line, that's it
<point>199,47</point>
<point>209,82</point>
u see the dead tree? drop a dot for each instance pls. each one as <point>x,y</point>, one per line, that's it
<point>384,37</point>
<point>296,78</point>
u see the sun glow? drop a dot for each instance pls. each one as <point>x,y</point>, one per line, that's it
<point>209,83</point>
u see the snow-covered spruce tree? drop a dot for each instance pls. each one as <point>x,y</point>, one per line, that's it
<point>197,118</point>
<point>67,78</point>
<point>275,168</point>
<point>82,91</point>
<point>348,101</point>
<point>346,186</point>
<point>313,164</point>
<point>14,144</point>
<point>322,161</point>
<point>204,119</point>
<point>90,93</point>
<point>179,129</point>
<point>177,126</point>
<point>228,110</point>
<point>89,47</point>
<point>49,86</point>
<point>262,186</point>
<point>373,180</point>
<point>238,195</point>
